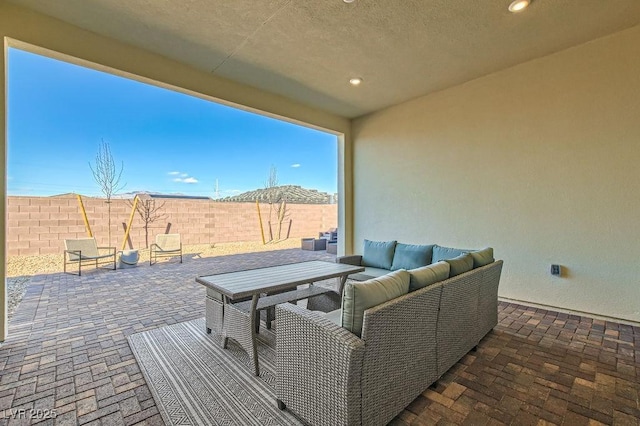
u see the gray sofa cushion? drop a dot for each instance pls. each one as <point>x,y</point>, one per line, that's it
<point>411,256</point>
<point>378,254</point>
<point>444,253</point>
<point>460,265</point>
<point>482,257</point>
<point>358,297</point>
<point>334,316</point>
<point>369,273</point>
<point>428,275</point>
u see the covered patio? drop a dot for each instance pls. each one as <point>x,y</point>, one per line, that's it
<point>466,125</point>
<point>67,350</point>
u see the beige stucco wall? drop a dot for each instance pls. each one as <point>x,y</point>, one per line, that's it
<point>540,161</point>
<point>23,28</point>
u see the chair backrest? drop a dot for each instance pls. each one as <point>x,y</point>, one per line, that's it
<point>168,242</point>
<point>87,246</point>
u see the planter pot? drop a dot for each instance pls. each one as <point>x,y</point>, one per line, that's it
<point>128,259</point>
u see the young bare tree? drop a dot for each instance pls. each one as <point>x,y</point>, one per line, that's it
<point>107,176</point>
<point>149,212</point>
<point>283,214</point>
<point>273,195</point>
<point>272,180</point>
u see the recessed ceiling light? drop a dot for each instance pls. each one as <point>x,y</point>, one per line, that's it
<point>355,81</point>
<point>348,1</point>
<point>518,5</point>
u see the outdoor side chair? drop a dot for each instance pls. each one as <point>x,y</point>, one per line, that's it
<point>83,250</point>
<point>331,235</point>
<point>166,245</point>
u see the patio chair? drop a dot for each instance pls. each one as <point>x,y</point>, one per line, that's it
<point>331,235</point>
<point>82,250</point>
<point>166,245</point>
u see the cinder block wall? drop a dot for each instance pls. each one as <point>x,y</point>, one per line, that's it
<point>38,225</point>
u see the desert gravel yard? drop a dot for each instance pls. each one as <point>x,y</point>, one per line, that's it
<point>20,269</point>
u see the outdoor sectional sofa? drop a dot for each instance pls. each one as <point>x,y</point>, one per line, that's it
<point>333,370</point>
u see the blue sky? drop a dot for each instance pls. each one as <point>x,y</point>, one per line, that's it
<point>169,142</point>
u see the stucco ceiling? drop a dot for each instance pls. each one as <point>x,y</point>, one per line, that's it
<point>307,50</point>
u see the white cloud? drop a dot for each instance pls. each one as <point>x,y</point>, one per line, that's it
<point>295,166</point>
<point>186,180</point>
<point>183,177</point>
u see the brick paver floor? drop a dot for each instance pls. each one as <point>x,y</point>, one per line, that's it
<point>67,351</point>
<point>539,367</point>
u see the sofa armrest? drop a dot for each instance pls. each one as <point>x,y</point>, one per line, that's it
<point>354,259</point>
<point>488,300</point>
<point>318,367</point>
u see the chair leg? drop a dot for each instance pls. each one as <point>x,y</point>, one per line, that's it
<point>271,314</point>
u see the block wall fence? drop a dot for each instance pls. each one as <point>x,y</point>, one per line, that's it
<point>38,225</point>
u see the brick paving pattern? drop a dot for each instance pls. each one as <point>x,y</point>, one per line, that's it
<point>539,367</point>
<point>67,351</point>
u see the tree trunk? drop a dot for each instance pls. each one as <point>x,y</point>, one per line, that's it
<point>281,213</point>
<point>109,221</point>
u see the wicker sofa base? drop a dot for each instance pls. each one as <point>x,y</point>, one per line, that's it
<point>329,376</point>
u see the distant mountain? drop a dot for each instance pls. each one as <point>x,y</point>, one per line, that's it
<point>143,194</point>
<point>290,193</point>
<point>293,194</point>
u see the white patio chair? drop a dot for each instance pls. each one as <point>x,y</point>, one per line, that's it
<point>166,245</point>
<point>82,250</point>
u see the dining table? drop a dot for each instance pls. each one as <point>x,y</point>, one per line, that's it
<point>263,288</point>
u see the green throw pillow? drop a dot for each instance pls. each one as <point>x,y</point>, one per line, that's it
<point>411,256</point>
<point>358,297</point>
<point>378,254</point>
<point>427,275</point>
<point>444,253</point>
<point>460,265</point>
<point>482,257</point>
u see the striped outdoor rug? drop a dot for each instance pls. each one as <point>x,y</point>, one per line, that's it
<point>196,382</point>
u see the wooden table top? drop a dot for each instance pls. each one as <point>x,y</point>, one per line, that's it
<point>273,278</point>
